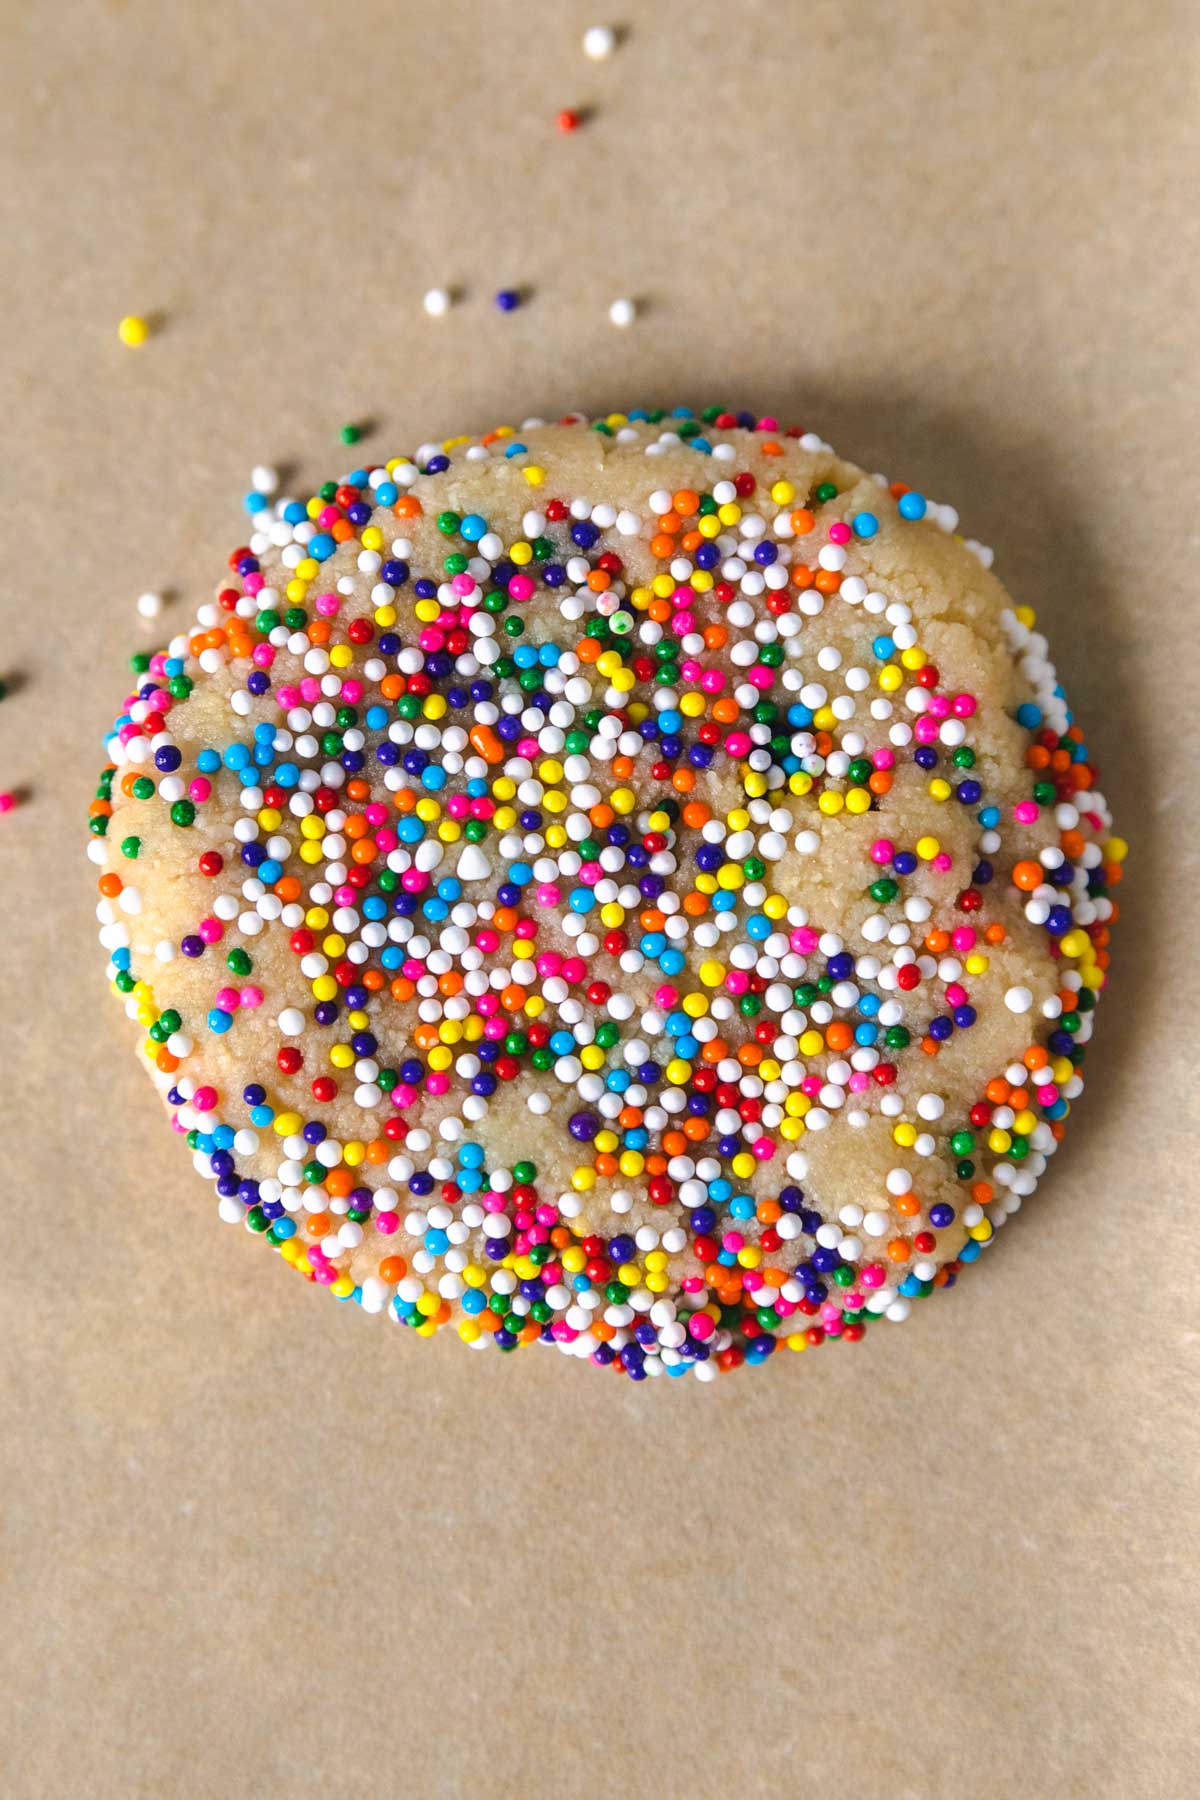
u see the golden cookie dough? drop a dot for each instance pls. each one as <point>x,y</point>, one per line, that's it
<point>631,886</point>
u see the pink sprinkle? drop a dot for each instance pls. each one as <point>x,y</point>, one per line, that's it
<point>1025,812</point>
<point>964,705</point>
<point>211,930</point>
<point>7,801</point>
<point>204,1099</point>
<point>943,861</point>
<point>839,533</point>
<point>387,1222</point>
<point>251,996</point>
<point>882,850</point>
<point>200,789</point>
<point>327,605</point>
<point>227,998</point>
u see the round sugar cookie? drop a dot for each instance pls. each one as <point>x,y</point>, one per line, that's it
<point>631,886</point>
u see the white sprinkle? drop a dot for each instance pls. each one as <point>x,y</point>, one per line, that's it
<point>1018,999</point>
<point>149,605</point>
<point>264,479</point>
<point>473,865</point>
<point>622,312</point>
<point>599,41</point>
<point>436,302</point>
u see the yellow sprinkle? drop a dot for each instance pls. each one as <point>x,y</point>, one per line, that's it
<point>534,475</point>
<point>133,330</point>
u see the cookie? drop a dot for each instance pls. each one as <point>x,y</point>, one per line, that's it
<point>633,886</point>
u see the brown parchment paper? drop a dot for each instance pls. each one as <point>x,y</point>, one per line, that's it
<point>257,1544</point>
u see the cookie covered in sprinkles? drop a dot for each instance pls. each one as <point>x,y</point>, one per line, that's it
<point>634,886</point>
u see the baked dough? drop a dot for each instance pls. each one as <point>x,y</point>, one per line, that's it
<point>634,886</point>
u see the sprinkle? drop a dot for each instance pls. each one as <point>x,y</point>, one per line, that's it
<point>264,479</point>
<point>599,42</point>
<point>508,299</point>
<point>7,801</point>
<point>149,605</point>
<point>133,330</point>
<point>622,312</point>
<point>350,434</point>
<point>567,120</point>
<point>436,302</point>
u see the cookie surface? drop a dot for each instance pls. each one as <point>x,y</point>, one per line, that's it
<point>632,886</point>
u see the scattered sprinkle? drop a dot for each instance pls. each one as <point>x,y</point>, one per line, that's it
<point>437,302</point>
<point>622,312</point>
<point>599,41</point>
<point>350,434</point>
<point>133,330</point>
<point>149,605</point>
<point>264,479</point>
<point>508,299</point>
<point>568,120</point>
